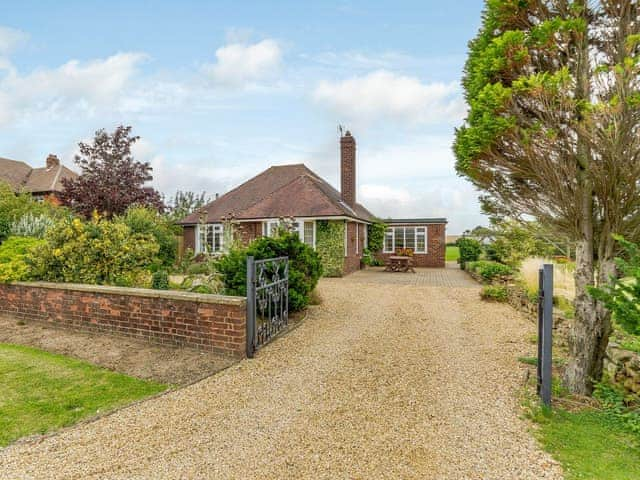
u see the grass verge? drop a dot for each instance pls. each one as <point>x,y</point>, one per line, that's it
<point>590,444</point>
<point>41,391</point>
<point>452,254</point>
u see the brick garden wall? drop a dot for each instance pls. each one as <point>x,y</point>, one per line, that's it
<point>210,322</point>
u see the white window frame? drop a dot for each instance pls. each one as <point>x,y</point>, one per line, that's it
<point>357,238</point>
<point>273,222</point>
<point>419,230</point>
<point>346,241</point>
<point>366,235</point>
<point>215,228</point>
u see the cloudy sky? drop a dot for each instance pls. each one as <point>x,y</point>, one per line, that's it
<point>221,90</point>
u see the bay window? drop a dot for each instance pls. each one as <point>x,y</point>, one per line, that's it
<point>396,238</point>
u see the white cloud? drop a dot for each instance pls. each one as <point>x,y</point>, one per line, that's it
<point>10,38</point>
<point>383,94</point>
<point>240,64</point>
<point>384,193</point>
<point>72,87</point>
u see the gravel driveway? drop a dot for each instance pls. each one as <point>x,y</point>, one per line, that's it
<point>381,381</point>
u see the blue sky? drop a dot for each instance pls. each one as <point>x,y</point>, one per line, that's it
<point>219,91</point>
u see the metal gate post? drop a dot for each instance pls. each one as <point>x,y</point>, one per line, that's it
<point>539,358</point>
<point>547,334</point>
<point>251,306</point>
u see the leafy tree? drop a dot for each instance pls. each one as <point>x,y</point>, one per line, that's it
<point>552,132</point>
<point>111,180</point>
<point>185,203</point>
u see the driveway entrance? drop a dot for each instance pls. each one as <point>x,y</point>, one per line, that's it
<point>396,376</point>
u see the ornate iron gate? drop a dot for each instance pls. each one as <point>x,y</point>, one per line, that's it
<point>267,300</point>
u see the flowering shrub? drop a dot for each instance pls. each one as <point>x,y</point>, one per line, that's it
<point>95,252</point>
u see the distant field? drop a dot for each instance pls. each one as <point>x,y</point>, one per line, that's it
<point>40,391</point>
<point>453,253</point>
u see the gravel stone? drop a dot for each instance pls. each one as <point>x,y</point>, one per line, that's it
<point>383,380</point>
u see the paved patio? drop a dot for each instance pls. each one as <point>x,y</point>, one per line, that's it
<point>451,277</point>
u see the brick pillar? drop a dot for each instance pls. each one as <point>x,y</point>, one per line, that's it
<point>348,169</point>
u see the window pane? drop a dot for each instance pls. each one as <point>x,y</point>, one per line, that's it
<point>410,238</point>
<point>308,233</point>
<point>399,237</point>
<point>388,240</point>
<point>421,240</point>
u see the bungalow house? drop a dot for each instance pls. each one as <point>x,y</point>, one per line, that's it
<point>330,221</point>
<point>43,183</point>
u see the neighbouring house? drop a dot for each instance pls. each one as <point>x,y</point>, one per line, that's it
<point>330,221</point>
<point>43,183</point>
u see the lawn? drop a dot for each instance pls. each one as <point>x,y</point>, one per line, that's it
<point>590,445</point>
<point>40,391</point>
<point>452,254</point>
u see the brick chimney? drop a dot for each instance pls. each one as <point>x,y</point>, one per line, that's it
<point>52,161</point>
<point>348,169</point>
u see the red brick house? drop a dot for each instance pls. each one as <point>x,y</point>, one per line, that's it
<point>320,213</point>
<point>43,183</point>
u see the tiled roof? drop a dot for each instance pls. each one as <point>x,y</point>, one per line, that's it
<point>34,180</point>
<point>281,191</point>
<point>14,173</point>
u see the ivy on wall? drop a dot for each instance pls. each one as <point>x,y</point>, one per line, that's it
<point>330,246</point>
<point>375,236</point>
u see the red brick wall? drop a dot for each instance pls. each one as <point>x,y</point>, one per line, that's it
<point>248,232</point>
<point>436,248</point>
<point>352,260</point>
<point>208,322</point>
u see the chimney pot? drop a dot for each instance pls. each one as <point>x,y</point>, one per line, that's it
<point>53,161</point>
<point>348,169</point>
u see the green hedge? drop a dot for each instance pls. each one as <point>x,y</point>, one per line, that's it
<point>470,250</point>
<point>330,246</point>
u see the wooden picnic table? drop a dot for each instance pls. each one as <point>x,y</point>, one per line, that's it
<point>399,263</point>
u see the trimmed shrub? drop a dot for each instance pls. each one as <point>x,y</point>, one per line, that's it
<point>305,266</point>
<point>160,280</point>
<point>13,255</point>
<point>95,252</point>
<point>470,250</point>
<point>496,293</point>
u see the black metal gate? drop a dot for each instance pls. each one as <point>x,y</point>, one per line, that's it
<point>267,300</point>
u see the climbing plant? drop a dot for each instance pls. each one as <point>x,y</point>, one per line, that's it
<point>330,246</point>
